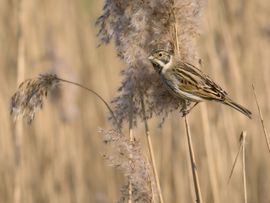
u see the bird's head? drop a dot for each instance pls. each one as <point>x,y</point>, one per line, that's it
<point>160,59</point>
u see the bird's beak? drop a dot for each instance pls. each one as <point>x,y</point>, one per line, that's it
<point>150,58</point>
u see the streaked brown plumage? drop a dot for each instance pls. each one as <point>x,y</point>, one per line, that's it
<point>188,82</point>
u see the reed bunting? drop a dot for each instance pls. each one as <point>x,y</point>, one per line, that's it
<point>188,82</point>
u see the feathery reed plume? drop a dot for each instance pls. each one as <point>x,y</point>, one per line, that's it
<point>126,155</point>
<point>137,28</point>
<point>261,118</point>
<point>29,97</point>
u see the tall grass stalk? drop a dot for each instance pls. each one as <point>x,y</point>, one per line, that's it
<point>131,138</point>
<point>189,136</point>
<point>236,157</point>
<point>209,153</point>
<point>261,118</point>
<point>243,148</point>
<point>193,164</point>
<point>19,125</point>
<point>244,134</point>
<point>151,152</point>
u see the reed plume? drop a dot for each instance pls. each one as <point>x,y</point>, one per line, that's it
<point>126,155</point>
<point>29,97</point>
<point>138,27</point>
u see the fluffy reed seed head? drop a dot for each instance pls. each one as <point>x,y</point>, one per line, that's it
<point>126,156</point>
<point>137,28</point>
<point>29,97</point>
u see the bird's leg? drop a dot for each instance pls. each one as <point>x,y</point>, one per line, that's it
<point>183,106</point>
<point>193,106</point>
<point>185,110</point>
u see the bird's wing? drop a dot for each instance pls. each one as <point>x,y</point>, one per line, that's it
<point>192,80</point>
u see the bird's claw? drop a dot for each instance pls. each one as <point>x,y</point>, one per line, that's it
<point>185,112</point>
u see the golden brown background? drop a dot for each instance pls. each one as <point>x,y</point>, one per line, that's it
<point>61,152</point>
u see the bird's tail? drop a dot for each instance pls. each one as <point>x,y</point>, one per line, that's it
<point>238,107</point>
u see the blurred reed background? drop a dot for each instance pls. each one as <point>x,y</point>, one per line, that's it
<point>61,152</point>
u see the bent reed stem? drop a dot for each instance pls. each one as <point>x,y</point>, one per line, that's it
<point>96,94</point>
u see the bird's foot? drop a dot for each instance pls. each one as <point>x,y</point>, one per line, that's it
<point>185,110</point>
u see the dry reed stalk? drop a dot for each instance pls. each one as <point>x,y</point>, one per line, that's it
<point>193,164</point>
<point>151,152</point>
<point>19,125</point>
<point>209,153</point>
<point>261,118</point>
<point>236,158</point>
<point>189,136</point>
<point>131,139</point>
<point>243,148</point>
<point>175,30</point>
<point>243,137</point>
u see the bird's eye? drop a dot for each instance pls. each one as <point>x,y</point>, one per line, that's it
<point>160,54</point>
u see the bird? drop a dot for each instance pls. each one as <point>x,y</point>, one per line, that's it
<point>185,81</point>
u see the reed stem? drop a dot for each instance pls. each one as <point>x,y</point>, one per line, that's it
<point>243,148</point>
<point>193,163</point>
<point>151,152</point>
<point>19,125</point>
<point>96,94</point>
<point>131,138</point>
<point>261,118</point>
<point>244,134</point>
